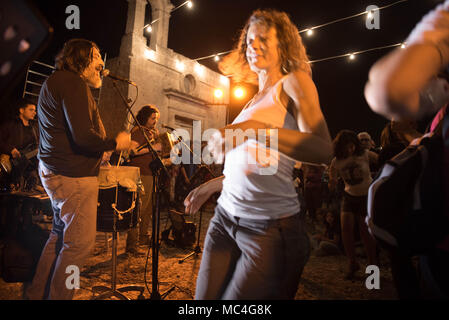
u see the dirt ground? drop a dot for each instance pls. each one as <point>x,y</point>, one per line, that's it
<point>322,279</point>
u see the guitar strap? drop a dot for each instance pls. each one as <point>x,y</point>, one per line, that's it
<point>34,129</point>
<point>21,134</point>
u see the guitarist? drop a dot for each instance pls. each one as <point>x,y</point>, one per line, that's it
<point>19,134</point>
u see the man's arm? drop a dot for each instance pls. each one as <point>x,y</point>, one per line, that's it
<point>6,145</point>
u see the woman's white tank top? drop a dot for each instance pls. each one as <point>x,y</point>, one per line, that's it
<point>258,182</point>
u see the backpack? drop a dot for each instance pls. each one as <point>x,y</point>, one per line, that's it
<point>406,200</point>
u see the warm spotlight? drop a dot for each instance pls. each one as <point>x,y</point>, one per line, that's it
<point>218,93</point>
<point>239,92</point>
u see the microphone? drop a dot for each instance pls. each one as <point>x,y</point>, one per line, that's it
<point>167,127</point>
<point>107,73</point>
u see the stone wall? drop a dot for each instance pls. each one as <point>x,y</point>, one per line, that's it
<point>182,88</point>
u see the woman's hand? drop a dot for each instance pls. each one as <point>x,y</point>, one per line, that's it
<point>196,198</point>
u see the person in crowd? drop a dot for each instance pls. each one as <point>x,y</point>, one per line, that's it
<point>352,164</point>
<point>328,242</point>
<point>395,137</point>
<point>366,141</point>
<point>256,246</point>
<point>313,190</point>
<point>369,144</point>
<point>71,147</point>
<point>404,85</point>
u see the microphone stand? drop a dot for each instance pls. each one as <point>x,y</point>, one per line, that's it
<point>197,250</point>
<point>157,167</point>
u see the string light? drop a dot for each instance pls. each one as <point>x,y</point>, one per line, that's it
<point>188,3</point>
<point>148,27</point>
<point>310,31</point>
<point>353,16</point>
<point>353,54</point>
<point>216,56</point>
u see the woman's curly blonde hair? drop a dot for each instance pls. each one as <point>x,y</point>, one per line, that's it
<point>291,49</point>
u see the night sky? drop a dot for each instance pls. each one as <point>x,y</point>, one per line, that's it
<point>213,26</point>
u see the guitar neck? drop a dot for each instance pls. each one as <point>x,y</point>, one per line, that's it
<point>31,154</point>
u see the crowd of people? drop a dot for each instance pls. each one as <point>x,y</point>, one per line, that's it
<point>257,242</point>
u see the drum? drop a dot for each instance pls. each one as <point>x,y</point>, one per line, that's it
<point>118,198</point>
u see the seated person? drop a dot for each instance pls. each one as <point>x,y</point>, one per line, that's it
<point>329,242</point>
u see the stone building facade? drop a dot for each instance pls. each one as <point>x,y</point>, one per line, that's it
<point>182,89</point>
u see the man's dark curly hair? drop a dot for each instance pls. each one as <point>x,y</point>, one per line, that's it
<point>75,56</point>
<point>145,113</point>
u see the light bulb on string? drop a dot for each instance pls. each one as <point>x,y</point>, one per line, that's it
<point>216,58</point>
<point>189,4</point>
<point>149,29</point>
<point>370,14</point>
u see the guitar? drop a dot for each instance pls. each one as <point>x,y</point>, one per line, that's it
<point>7,164</point>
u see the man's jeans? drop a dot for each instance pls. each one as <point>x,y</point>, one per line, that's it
<point>252,259</point>
<point>74,202</point>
